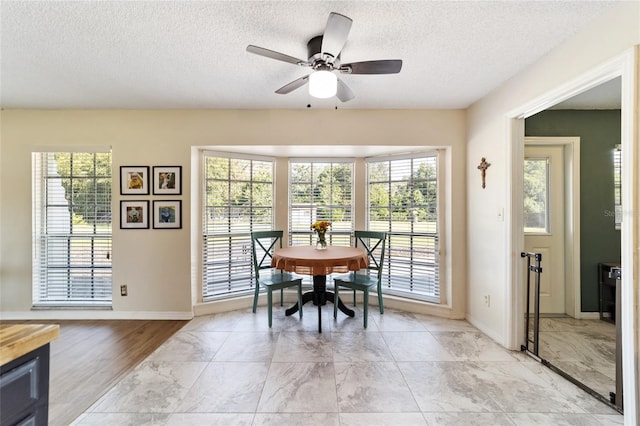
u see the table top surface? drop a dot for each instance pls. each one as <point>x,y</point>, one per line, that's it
<point>308,260</point>
<point>19,339</point>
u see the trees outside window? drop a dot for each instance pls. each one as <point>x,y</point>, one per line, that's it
<point>320,190</point>
<point>403,201</point>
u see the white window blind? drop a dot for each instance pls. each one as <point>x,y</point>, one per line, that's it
<point>238,199</point>
<point>403,201</point>
<point>320,190</point>
<point>72,228</point>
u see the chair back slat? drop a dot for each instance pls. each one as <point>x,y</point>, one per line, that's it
<point>263,244</point>
<point>374,244</point>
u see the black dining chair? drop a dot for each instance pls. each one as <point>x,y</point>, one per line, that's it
<point>374,244</point>
<point>263,244</point>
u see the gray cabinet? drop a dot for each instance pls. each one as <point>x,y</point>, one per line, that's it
<point>24,389</point>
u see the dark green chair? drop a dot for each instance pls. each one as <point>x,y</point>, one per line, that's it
<point>374,244</point>
<point>263,244</point>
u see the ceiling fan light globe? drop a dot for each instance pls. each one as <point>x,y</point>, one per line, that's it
<point>323,84</point>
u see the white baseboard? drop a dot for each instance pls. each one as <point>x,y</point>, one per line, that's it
<point>246,302</point>
<point>59,314</point>
<point>219,306</point>
<point>497,337</point>
<point>589,315</point>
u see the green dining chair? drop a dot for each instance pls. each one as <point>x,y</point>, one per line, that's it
<point>374,244</point>
<point>263,244</point>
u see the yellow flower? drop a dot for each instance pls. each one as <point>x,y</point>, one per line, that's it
<point>321,225</point>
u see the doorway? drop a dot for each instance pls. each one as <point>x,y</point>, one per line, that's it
<point>622,67</point>
<point>574,342</point>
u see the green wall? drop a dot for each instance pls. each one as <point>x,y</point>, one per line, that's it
<point>599,132</point>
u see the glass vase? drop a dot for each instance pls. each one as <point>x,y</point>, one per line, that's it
<point>321,244</point>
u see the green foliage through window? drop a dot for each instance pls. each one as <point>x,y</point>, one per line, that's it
<point>403,201</point>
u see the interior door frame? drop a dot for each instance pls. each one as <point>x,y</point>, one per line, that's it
<point>571,149</point>
<point>623,66</point>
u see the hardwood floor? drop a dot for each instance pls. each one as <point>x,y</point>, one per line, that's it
<point>89,357</point>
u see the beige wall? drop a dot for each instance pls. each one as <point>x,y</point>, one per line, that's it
<point>157,265</point>
<point>489,253</point>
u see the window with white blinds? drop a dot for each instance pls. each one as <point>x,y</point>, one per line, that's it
<point>72,228</point>
<point>403,201</point>
<point>237,199</point>
<point>320,190</point>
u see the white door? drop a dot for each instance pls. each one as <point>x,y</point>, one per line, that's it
<point>544,219</point>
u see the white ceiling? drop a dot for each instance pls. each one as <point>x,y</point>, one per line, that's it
<point>191,54</point>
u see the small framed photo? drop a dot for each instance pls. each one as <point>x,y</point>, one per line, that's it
<point>134,214</point>
<point>134,180</point>
<point>167,214</point>
<point>167,180</point>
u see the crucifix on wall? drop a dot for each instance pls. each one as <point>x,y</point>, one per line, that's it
<point>483,166</point>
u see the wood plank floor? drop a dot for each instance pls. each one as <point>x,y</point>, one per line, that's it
<point>89,357</point>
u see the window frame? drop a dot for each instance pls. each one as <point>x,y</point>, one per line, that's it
<point>439,241</point>
<point>335,236</point>
<point>242,270</point>
<point>359,201</point>
<point>50,287</point>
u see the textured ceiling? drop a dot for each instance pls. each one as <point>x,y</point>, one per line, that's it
<point>191,54</point>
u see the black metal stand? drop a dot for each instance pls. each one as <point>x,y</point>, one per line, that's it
<point>319,295</point>
<point>616,397</point>
<point>534,340</point>
<point>537,270</point>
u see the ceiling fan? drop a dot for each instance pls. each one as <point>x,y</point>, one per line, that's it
<point>324,58</point>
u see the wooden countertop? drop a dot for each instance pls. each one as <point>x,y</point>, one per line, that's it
<point>20,339</point>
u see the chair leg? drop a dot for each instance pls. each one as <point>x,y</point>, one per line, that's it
<point>269,307</point>
<point>354,298</point>
<point>366,306</point>
<point>281,297</point>
<point>255,297</point>
<point>380,305</point>
<point>300,299</point>
<point>335,301</point>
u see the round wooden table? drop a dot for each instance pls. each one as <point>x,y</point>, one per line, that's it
<point>307,260</point>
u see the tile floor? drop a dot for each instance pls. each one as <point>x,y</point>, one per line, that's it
<point>405,369</point>
<point>584,349</point>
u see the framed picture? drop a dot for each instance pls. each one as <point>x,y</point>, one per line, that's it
<point>167,180</point>
<point>167,214</point>
<point>134,180</point>
<point>134,214</point>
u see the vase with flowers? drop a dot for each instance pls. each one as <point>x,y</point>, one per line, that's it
<point>321,227</point>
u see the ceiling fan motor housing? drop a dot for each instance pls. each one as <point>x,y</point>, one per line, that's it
<point>314,53</point>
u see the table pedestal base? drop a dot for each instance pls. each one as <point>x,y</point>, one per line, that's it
<point>319,296</point>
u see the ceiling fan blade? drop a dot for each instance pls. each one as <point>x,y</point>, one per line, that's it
<point>288,88</point>
<point>335,34</point>
<point>344,93</point>
<point>385,66</point>
<point>275,55</point>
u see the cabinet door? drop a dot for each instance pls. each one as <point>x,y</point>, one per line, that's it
<point>24,389</point>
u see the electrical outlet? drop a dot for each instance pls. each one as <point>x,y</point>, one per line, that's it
<point>487,300</point>
<point>123,290</point>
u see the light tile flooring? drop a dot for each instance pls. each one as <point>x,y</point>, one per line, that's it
<point>405,369</point>
<point>584,349</point>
